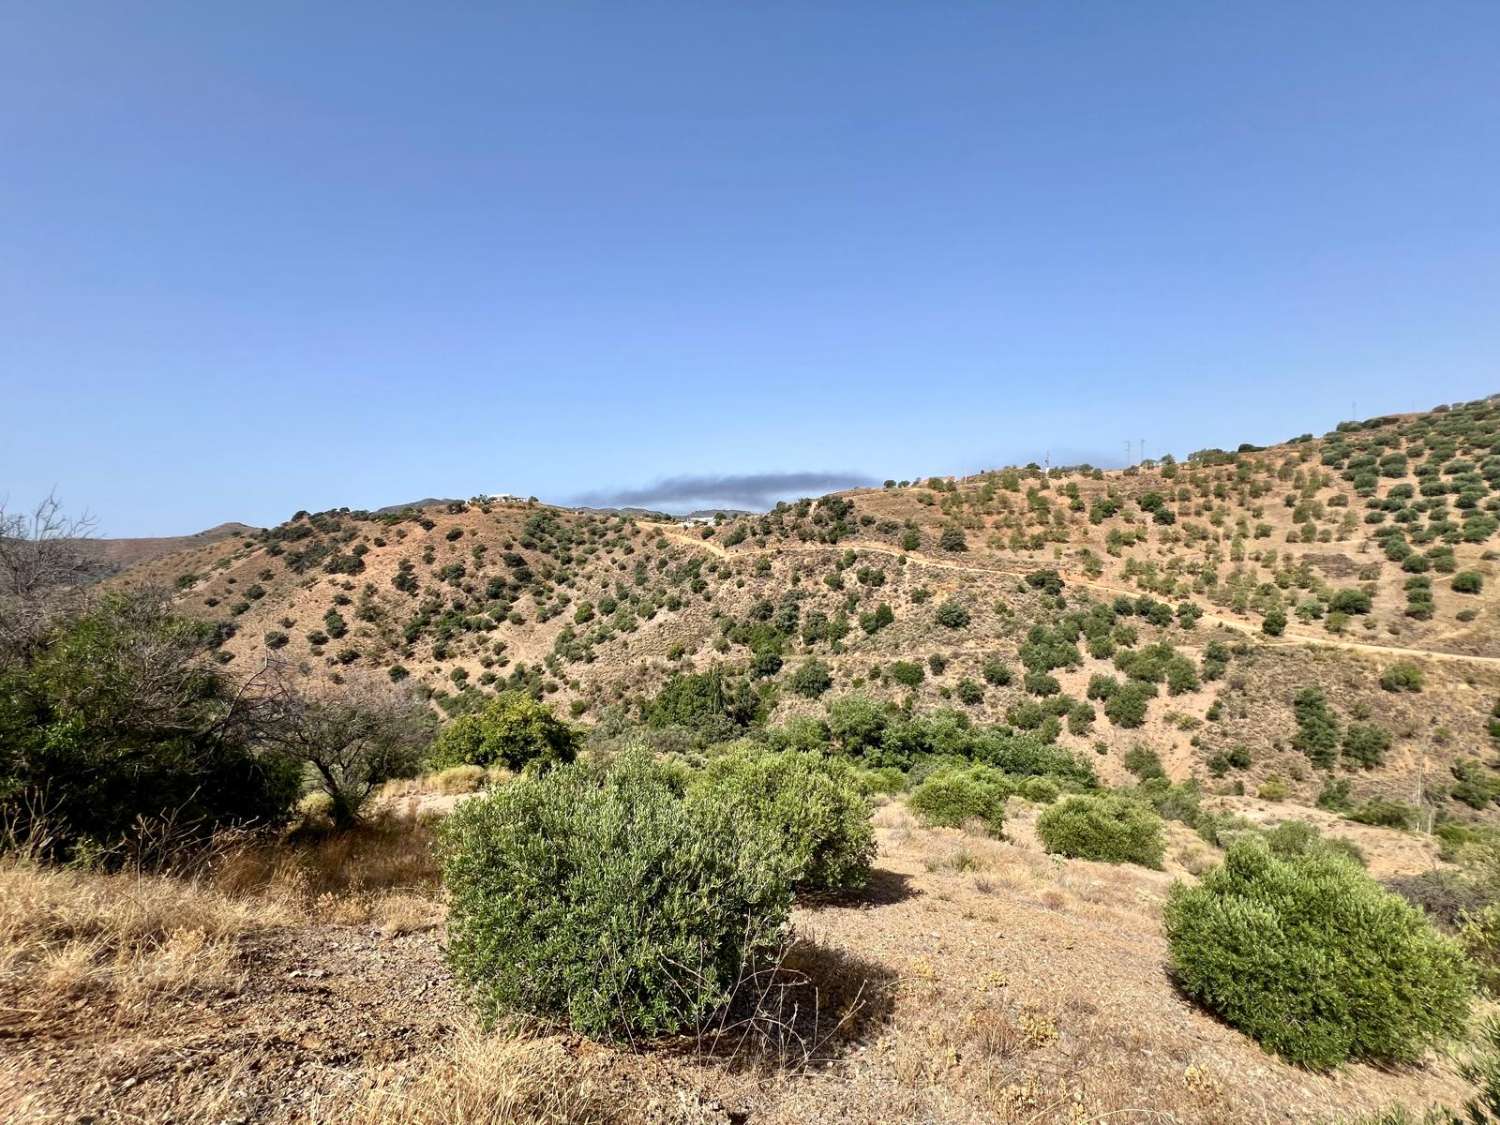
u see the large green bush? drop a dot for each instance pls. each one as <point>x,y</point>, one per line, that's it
<point>511,730</point>
<point>607,899</point>
<point>952,797</point>
<point>814,805</point>
<point>1315,960</point>
<point>117,721</point>
<point>1105,827</point>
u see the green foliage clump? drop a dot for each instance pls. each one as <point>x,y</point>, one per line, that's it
<point>1467,582</point>
<point>951,797</point>
<point>998,673</point>
<point>812,679</point>
<point>117,721</point>
<point>908,673</point>
<point>1365,744</point>
<point>952,615</point>
<point>511,730</point>
<point>1317,727</point>
<point>607,899</point>
<point>1402,677</point>
<point>1315,960</point>
<point>1040,790</point>
<point>969,692</point>
<point>1144,762</point>
<point>1106,827</point>
<point>812,804</point>
<point>1126,705</point>
<point>709,705</point>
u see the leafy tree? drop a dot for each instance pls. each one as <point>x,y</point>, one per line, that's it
<point>876,620</point>
<point>511,730</point>
<point>1317,727</point>
<point>1107,827</point>
<point>1126,706</point>
<point>118,720</point>
<point>1365,744</point>
<point>810,803</point>
<point>907,672</point>
<point>953,539</point>
<point>351,743</point>
<point>812,679</point>
<point>969,692</point>
<point>1351,601</point>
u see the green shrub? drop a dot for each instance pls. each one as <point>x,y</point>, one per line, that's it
<point>1468,582</point>
<point>1365,744</point>
<point>608,900</point>
<point>1106,827</point>
<point>812,679</point>
<point>1480,936</point>
<point>1315,960</point>
<point>885,780</point>
<point>1144,762</point>
<point>997,672</point>
<point>1402,677</point>
<point>1317,727</point>
<point>512,730</point>
<point>1126,705</point>
<point>952,615</point>
<point>812,804</point>
<point>118,721</point>
<point>953,539</point>
<point>713,706</point>
<point>1384,814</point>
<point>1039,683</point>
<point>951,797</point>
<point>907,673</point>
<point>1040,790</point>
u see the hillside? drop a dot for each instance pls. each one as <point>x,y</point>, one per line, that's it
<point>112,555</point>
<point>1233,580</point>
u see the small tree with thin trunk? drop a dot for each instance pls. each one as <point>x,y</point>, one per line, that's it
<point>43,562</point>
<point>350,743</point>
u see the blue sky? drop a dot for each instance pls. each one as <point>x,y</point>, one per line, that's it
<point>256,258</point>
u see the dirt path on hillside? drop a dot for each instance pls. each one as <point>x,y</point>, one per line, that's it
<point>1291,638</point>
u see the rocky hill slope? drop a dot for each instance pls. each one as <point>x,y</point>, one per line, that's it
<point>1322,612</point>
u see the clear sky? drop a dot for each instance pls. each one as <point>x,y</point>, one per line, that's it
<point>261,257</point>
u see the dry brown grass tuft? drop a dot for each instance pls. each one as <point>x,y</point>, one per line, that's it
<point>503,1078</point>
<point>117,941</point>
<point>69,938</point>
<point>385,873</point>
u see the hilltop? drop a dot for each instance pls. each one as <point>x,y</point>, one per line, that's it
<point>1234,579</point>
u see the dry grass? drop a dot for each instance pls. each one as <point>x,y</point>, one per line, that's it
<point>384,873</point>
<point>70,938</point>
<point>118,941</point>
<point>503,1078</point>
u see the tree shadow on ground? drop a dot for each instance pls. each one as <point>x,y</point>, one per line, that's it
<point>884,888</point>
<point>811,1006</point>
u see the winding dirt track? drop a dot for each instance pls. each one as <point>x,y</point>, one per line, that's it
<point>1290,638</point>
